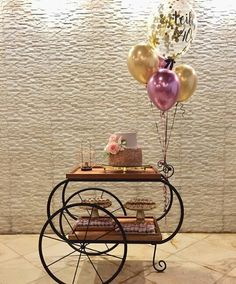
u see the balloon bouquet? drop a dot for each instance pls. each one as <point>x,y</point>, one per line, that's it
<point>171,31</point>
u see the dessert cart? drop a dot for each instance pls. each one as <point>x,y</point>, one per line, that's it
<point>91,237</point>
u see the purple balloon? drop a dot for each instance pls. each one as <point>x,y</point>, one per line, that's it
<point>163,89</point>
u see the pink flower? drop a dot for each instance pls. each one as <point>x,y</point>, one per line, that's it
<point>113,138</point>
<point>112,148</point>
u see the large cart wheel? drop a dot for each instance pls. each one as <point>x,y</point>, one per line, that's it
<point>67,253</point>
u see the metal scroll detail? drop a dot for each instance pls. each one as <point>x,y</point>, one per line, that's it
<point>63,221</point>
<point>160,265</point>
<point>167,169</point>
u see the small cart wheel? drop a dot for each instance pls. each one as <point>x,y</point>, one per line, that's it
<point>66,254</point>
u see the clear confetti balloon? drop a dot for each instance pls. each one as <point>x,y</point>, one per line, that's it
<point>172,28</point>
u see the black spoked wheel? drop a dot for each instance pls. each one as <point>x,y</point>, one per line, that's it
<point>59,187</point>
<point>117,207</point>
<point>75,249</point>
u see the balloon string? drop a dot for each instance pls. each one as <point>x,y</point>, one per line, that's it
<point>165,115</point>
<point>172,125</point>
<point>169,63</point>
<point>165,197</point>
<point>166,135</point>
<point>157,127</point>
<point>162,123</point>
<point>182,109</point>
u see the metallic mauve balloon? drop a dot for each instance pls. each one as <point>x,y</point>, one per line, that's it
<point>163,89</point>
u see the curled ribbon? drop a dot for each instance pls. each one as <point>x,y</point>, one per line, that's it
<point>169,63</point>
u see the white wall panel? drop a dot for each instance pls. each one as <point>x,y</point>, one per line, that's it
<point>63,77</point>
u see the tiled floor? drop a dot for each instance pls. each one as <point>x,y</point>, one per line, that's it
<point>191,259</point>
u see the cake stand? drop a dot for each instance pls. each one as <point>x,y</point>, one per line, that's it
<point>102,202</point>
<point>140,206</point>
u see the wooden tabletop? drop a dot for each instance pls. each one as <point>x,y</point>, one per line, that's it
<point>99,173</point>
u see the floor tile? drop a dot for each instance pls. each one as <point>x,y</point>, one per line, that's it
<point>127,279</point>
<point>18,270</point>
<point>44,280</point>
<point>6,253</point>
<point>134,265</point>
<point>180,271</point>
<point>232,273</point>
<point>140,255</point>
<point>23,244</point>
<point>223,240</point>
<point>145,252</point>
<point>229,278</point>
<point>51,254</point>
<point>179,242</point>
<point>137,280</point>
<point>191,259</point>
<point>213,256</point>
<point>6,238</point>
<point>86,274</point>
<point>197,236</point>
<point>226,280</point>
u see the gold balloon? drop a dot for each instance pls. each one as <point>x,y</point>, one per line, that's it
<point>142,62</point>
<point>188,81</point>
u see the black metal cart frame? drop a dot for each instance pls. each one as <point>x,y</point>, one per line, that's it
<point>81,247</point>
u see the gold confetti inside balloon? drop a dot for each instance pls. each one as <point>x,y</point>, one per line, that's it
<point>172,28</point>
<point>142,62</point>
<point>188,81</point>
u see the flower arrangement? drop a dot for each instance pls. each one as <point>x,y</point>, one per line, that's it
<point>115,144</point>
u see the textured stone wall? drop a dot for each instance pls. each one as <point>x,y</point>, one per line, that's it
<point>63,78</point>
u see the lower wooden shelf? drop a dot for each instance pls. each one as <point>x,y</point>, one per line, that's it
<point>99,234</point>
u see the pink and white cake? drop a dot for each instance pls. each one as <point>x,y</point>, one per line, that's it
<point>123,150</point>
